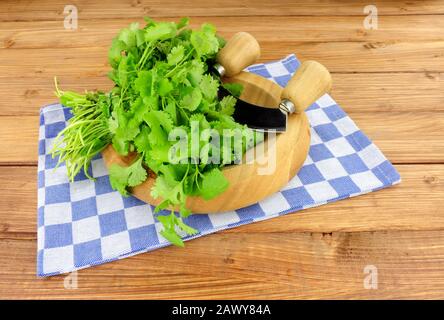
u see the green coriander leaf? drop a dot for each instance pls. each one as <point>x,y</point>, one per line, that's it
<point>153,164</point>
<point>142,141</point>
<point>192,100</point>
<point>128,35</point>
<point>173,192</point>
<point>165,87</point>
<point>160,124</point>
<point>183,22</point>
<point>122,177</point>
<point>201,120</point>
<point>184,212</point>
<point>176,55</point>
<point>161,188</point>
<point>221,40</point>
<point>168,221</point>
<point>138,109</point>
<point>151,102</point>
<point>128,126</point>
<point>118,178</point>
<point>227,105</point>
<point>189,230</point>
<point>169,174</point>
<point>122,72</point>
<point>120,145</point>
<point>205,41</point>
<point>140,37</point>
<point>162,206</point>
<point>234,88</point>
<point>113,123</point>
<point>115,52</point>
<point>171,110</point>
<point>195,72</point>
<point>209,87</point>
<point>172,237</point>
<point>160,152</point>
<point>144,83</point>
<point>136,173</point>
<point>149,21</point>
<point>190,186</point>
<point>213,184</point>
<point>160,31</point>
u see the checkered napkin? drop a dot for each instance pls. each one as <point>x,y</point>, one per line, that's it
<point>85,223</point>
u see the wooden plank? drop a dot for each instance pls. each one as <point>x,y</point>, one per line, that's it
<point>384,92</point>
<point>337,57</point>
<point>51,34</point>
<point>256,265</point>
<point>357,92</point>
<point>18,204</point>
<point>405,137</point>
<point>53,10</point>
<point>402,137</point>
<point>89,64</point>
<point>19,131</point>
<point>421,194</point>
<point>366,57</point>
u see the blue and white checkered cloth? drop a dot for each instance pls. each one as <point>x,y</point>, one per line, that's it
<point>85,223</point>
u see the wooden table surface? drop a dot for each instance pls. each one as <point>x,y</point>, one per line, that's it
<point>391,82</point>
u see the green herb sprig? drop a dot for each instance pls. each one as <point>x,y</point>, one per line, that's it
<point>86,134</point>
<point>162,83</point>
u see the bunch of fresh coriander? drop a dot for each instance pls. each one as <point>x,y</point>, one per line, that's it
<point>162,82</point>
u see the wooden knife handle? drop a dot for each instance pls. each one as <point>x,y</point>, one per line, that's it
<point>241,51</point>
<point>311,81</point>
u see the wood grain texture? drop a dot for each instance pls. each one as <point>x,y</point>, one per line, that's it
<point>392,48</point>
<point>239,266</point>
<point>83,68</point>
<point>404,137</point>
<point>361,57</point>
<point>53,10</point>
<point>355,92</point>
<point>389,80</point>
<point>18,141</point>
<point>421,192</point>
<point>51,34</point>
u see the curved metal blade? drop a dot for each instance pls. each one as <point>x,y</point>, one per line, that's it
<point>258,117</point>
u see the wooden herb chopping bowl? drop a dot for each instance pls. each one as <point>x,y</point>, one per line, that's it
<point>246,185</point>
<point>281,158</point>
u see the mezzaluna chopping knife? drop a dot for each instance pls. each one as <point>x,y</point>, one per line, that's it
<point>309,83</point>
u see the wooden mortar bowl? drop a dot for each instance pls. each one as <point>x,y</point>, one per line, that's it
<point>246,185</point>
